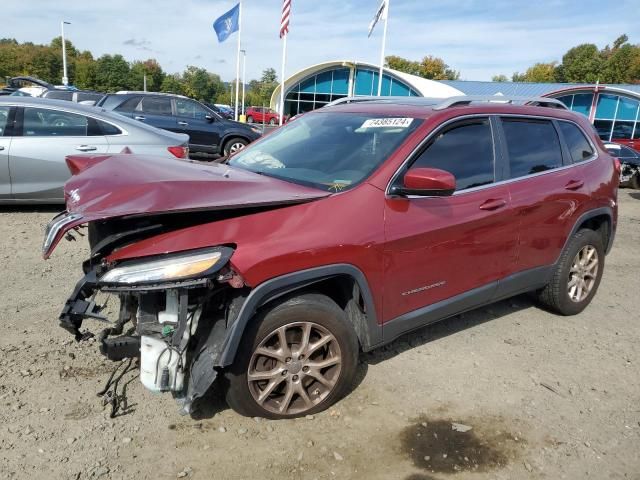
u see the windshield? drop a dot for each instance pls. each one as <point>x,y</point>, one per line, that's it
<point>330,151</point>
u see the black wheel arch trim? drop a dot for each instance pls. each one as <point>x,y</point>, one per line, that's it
<point>285,284</point>
<point>596,212</point>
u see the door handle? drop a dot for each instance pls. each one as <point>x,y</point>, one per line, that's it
<point>493,204</point>
<point>184,124</point>
<point>139,117</point>
<point>574,185</point>
<point>86,148</point>
<point>1,148</point>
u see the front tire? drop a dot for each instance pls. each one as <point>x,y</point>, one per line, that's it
<point>234,145</point>
<point>296,359</point>
<point>249,119</point>
<point>634,182</point>
<point>577,274</point>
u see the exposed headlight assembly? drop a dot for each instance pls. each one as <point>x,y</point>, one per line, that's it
<point>190,265</point>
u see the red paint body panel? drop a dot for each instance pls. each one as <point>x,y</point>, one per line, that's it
<point>445,239</point>
<point>125,185</point>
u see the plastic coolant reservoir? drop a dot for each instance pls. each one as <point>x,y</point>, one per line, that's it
<point>155,356</point>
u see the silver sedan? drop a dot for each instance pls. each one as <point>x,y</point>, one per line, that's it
<point>37,134</point>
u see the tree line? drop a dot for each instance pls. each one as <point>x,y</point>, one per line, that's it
<point>110,73</point>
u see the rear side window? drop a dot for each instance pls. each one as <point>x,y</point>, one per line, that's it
<point>62,95</point>
<point>108,129</point>
<point>465,150</point>
<point>533,146</point>
<point>84,96</point>
<point>155,106</point>
<point>4,118</point>
<point>579,146</point>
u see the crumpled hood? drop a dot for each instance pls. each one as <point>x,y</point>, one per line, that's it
<point>125,185</point>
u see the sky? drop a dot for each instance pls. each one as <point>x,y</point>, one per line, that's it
<point>475,37</point>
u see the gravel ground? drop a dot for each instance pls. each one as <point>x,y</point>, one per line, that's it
<point>509,391</point>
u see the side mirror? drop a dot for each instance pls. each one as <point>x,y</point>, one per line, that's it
<point>427,182</point>
<point>209,118</point>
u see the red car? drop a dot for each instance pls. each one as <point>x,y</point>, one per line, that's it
<point>336,234</point>
<point>263,115</point>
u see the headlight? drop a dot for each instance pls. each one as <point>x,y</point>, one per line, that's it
<point>58,222</point>
<point>183,266</point>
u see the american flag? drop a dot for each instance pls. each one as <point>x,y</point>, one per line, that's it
<point>284,23</point>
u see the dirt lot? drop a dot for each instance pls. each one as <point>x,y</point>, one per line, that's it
<point>546,397</point>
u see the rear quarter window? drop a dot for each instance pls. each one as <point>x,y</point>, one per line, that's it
<point>533,146</point>
<point>579,147</point>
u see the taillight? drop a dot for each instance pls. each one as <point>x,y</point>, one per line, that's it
<point>179,151</point>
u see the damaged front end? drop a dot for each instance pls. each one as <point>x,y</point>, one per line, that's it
<point>174,312</point>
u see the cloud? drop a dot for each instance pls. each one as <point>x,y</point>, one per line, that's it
<point>142,44</point>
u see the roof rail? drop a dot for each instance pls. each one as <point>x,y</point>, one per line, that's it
<point>140,92</point>
<point>468,99</point>
<point>351,100</point>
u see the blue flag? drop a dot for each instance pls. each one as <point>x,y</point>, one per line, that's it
<point>228,23</point>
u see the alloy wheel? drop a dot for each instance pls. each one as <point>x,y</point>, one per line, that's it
<point>583,273</point>
<point>235,147</point>
<point>294,368</point>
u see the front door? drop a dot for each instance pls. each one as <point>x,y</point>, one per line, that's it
<point>37,157</point>
<point>449,249</point>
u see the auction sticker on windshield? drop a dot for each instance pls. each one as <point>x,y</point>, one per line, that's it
<point>387,122</point>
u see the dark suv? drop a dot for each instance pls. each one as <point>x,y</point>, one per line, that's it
<point>208,132</point>
<point>354,224</point>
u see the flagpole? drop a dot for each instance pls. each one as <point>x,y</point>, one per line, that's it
<point>284,57</point>
<point>238,60</point>
<point>384,42</point>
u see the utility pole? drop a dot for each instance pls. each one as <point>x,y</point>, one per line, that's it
<point>65,78</point>
<point>244,74</point>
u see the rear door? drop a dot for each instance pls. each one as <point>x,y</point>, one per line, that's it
<point>6,122</point>
<point>157,112</point>
<point>547,192</point>
<point>191,118</point>
<point>37,156</point>
<point>438,248</point>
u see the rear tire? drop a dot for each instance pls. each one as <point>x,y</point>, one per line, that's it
<point>295,379</point>
<point>234,145</point>
<point>634,182</point>
<point>576,276</point>
<point>272,122</point>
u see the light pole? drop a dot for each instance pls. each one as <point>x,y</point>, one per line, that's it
<point>65,79</point>
<point>244,71</point>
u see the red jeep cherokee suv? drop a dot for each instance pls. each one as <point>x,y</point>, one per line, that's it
<point>263,115</point>
<point>353,225</point>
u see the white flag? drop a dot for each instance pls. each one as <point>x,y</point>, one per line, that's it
<point>381,13</point>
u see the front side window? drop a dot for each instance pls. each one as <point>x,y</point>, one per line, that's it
<point>533,146</point>
<point>465,150</point>
<point>329,151</point>
<point>42,122</point>
<point>155,106</point>
<point>579,146</point>
<point>190,109</point>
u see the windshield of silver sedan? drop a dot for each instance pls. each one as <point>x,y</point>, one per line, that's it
<point>330,151</point>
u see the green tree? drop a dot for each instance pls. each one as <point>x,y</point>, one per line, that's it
<point>172,84</point>
<point>112,73</point>
<point>583,63</point>
<point>85,71</point>
<point>499,78</point>
<point>541,72</point>
<point>430,67</point>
